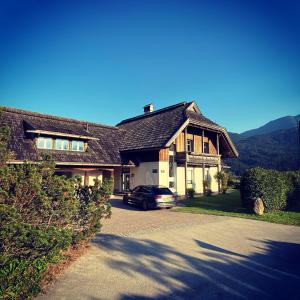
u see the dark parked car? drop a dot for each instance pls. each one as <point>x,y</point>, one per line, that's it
<point>150,196</point>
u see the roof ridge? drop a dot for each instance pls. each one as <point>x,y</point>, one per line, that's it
<point>52,117</point>
<point>153,113</point>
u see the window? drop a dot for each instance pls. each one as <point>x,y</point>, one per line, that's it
<point>205,147</point>
<point>206,174</point>
<point>190,145</point>
<point>61,144</point>
<point>171,184</point>
<point>44,143</point>
<point>161,191</point>
<point>171,165</point>
<point>77,146</point>
<point>189,176</point>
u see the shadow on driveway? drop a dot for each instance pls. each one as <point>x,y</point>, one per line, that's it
<point>272,272</point>
<point>118,203</point>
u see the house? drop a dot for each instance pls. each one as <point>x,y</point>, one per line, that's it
<point>175,146</point>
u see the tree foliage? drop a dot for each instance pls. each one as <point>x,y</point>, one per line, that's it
<point>278,190</point>
<point>41,214</point>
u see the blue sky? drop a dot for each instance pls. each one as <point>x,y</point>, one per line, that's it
<point>104,60</point>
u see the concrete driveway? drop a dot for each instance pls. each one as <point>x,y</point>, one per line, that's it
<point>169,255</point>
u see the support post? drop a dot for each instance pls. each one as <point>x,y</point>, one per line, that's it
<point>86,178</point>
<point>218,145</point>
<point>202,140</point>
<point>203,173</point>
<point>186,159</point>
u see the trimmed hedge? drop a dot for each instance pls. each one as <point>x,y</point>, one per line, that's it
<point>278,190</point>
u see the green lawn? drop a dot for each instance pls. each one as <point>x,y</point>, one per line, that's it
<point>230,205</point>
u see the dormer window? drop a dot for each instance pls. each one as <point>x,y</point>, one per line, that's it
<point>44,143</point>
<point>78,146</point>
<point>61,144</point>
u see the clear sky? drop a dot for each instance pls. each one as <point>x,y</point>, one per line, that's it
<point>104,60</point>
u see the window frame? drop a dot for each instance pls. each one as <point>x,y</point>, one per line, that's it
<point>191,180</point>
<point>190,144</point>
<point>78,147</point>
<point>206,147</point>
<point>44,139</point>
<point>62,144</point>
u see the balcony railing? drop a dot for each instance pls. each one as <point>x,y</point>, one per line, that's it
<point>197,159</point>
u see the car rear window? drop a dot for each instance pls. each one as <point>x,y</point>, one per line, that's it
<point>162,191</point>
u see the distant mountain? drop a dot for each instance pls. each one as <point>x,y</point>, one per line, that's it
<point>281,123</point>
<point>274,145</point>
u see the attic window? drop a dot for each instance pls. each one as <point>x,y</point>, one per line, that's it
<point>61,144</point>
<point>44,143</point>
<point>78,146</point>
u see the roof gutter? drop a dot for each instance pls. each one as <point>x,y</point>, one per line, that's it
<point>19,162</point>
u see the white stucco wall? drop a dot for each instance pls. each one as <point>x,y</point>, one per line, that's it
<point>214,182</point>
<point>117,179</point>
<point>164,173</point>
<point>198,180</point>
<point>143,174</point>
<point>180,181</point>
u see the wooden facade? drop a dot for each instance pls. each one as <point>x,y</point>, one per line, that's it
<point>164,154</point>
<point>209,137</point>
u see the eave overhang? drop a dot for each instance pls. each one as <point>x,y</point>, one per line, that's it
<point>61,134</point>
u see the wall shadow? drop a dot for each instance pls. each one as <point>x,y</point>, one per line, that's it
<point>273,272</point>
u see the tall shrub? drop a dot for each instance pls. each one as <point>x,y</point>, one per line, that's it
<point>293,195</point>
<point>269,185</point>
<point>222,178</point>
<point>41,215</point>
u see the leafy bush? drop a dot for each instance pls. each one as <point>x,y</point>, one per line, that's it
<point>207,187</point>
<point>222,178</point>
<point>233,181</point>
<point>41,215</point>
<point>293,196</point>
<point>278,190</point>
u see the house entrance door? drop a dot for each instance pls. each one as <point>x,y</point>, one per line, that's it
<point>126,182</point>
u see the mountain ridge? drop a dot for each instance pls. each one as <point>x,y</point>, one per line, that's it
<point>274,145</point>
<point>273,125</point>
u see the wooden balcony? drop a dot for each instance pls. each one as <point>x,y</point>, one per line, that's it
<point>197,159</point>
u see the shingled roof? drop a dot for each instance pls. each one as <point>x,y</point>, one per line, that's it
<point>153,130</point>
<point>103,149</point>
<point>156,129</point>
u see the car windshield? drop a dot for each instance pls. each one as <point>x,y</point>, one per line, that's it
<point>162,191</point>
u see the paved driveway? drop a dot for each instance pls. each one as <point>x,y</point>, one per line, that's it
<point>167,255</point>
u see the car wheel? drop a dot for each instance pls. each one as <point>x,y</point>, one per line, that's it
<point>145,205</point>
<point>125,200</point>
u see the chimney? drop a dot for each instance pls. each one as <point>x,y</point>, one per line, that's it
<point>148,108</point>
